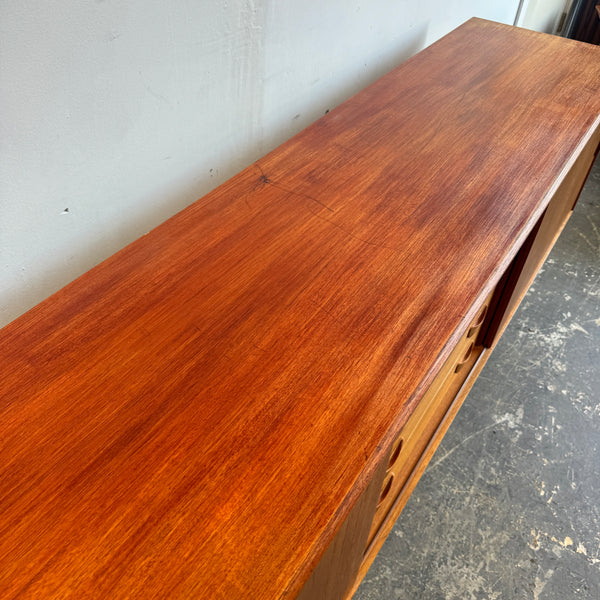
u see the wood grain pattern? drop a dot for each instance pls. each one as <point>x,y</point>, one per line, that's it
<point>457,397</point>
<point>196,416</point>
<point>542,238</point>
<point>424,421</point>
<point>335,574</point>
<point>424,430</point>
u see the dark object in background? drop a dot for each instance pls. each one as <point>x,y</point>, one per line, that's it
<point>583,22</point>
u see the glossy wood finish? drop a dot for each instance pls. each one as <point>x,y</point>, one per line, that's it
<point>334,577</point>
<point>198,415</point>
<point>455,397</point>
<point>422,424</point>
<point>542,238</point>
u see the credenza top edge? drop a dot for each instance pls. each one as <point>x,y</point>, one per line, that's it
<point>205,406</point>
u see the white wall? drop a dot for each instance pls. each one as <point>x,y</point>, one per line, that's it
<point>115,114</point>
<point>541,15</point>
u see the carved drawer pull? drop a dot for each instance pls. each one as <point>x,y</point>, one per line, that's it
<point>395,453</point>
<point>465,358</point>
<point>478,322</point>
<point>385,490</point>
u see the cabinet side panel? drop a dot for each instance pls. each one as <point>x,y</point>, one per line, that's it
<point>541,240</point>
<point>335,573</point>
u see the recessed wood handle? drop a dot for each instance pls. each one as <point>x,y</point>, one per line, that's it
<point>385,490</point>
<point>395,453</point>
<point>465,358</point>
<point>478,322</point>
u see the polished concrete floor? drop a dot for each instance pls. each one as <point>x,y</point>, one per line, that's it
<point>509,507</point>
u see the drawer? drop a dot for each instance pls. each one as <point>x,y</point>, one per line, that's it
<point>422,424</point>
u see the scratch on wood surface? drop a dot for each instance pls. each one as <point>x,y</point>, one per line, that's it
<point>355,237</point>
<point>322,308</point>
<point>264,180</point>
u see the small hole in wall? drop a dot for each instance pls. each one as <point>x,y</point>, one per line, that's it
<point>64,212</point>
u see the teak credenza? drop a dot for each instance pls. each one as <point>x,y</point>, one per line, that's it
<point>238,404</point>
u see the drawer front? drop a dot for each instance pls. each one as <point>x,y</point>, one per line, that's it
<point>421,426</point>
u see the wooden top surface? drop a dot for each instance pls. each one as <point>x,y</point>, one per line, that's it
<point>195,416</point>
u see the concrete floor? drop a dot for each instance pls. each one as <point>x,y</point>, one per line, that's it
<point>509,507</point>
